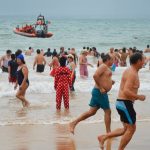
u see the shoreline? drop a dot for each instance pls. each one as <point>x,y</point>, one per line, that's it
<point>58,137</point>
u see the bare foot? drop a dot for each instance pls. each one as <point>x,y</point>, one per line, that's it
<point>27,104</point>
<point>72,127</point>
<point>101,141</point>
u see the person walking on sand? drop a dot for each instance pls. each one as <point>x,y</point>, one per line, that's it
<point>22,80</point>
<point>103,84</point>
<point>62,83</point>
<point>128,94</point>
<point>40,61</point>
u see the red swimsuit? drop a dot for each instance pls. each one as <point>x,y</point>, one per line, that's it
<point>62,84</point>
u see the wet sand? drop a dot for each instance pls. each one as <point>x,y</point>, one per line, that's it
<point>57,137</point>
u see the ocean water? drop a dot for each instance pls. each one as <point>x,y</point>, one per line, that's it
<point>102,33</point>
<point>69,33</point>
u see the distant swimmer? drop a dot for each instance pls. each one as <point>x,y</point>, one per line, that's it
<point>12,69</point>
<point>22,80</point>
<point>128,94</point>
<point>103,84</point>
<point>4,61</point>
<point>39,61</point>
<point>123,58</point>
<point>147,50</point>
<point>48,53</point>
<point>29,51</point>
<point>113,56</point>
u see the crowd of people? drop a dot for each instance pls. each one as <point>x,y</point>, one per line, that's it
<point>63,70</point>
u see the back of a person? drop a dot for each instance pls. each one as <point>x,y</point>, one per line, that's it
<point>40,59</point>
<point>63,75</point>
<point>13,64</point>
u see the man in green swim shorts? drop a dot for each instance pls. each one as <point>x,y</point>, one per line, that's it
<point>103,84</point>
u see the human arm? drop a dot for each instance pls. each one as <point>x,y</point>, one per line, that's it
<point>44,60</point>
<point>1,59</point>
<point>100,70</point>
<point>35,62</point>
<point>9,69</point>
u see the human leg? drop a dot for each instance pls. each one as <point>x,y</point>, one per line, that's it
<point>92,111</point>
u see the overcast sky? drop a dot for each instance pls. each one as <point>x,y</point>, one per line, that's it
<point>78,8</point>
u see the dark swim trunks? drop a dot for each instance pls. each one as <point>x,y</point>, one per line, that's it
<point>4,69</point>
<point>126,111</point>
<point>99,100</point>
<point>40,68</point>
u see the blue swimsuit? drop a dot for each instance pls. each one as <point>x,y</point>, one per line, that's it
<point>20,77</point>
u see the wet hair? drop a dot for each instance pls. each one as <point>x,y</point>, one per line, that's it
<point>147,46</point>
<point>106,57</point>
<point>124,50</point>
<point>13,56</point>
<point>8,51</point>
<point>87,48</point>
<point>68,49</point>
<point>94,48</point>
<point>38,51</point>
<point>48,49</point>
<point>66,53</point>
<point>84,47</point>
<point>30,48</point>
<point>133,50</point>
<point>141,52</point>
<point>62,61</point>
<point>116,50</point>
<point>18,52</point>
<point>135,58</point>
<point>102,55</point>
<point>54,53</point>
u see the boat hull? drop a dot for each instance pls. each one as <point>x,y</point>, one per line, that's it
<point>32,35</point>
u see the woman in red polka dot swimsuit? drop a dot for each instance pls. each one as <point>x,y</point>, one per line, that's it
<point>62,83</point>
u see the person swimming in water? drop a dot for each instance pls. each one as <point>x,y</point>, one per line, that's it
<point>22,80</point>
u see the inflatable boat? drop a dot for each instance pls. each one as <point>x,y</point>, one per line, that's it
<point>33,35</point>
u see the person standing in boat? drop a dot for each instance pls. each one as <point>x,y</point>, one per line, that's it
<point>4,61</point>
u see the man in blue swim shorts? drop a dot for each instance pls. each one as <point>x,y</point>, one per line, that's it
<point>103,84</point>
<point>128,93</point>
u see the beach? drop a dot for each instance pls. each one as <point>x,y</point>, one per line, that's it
<point>57,137</point>
<point>41,126</point>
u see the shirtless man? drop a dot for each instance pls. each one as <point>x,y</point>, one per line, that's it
<point>113,56</point>
<point>29,51</point>
<point>103,84</point>
<point>4,61</point>
<point>40,61</point>
<point>123,57</point>
<point>128,94</point>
